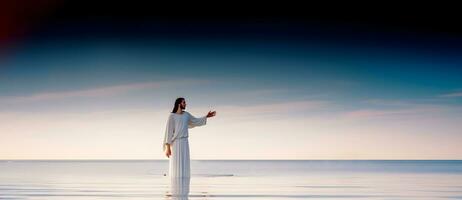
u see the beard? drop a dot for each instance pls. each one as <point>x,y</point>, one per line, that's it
<point>182,107</point>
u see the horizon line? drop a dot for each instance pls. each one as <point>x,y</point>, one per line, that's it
<point>3,160</point>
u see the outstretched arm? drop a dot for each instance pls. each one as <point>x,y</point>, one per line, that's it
<point>196,121</point>
<point>200,121</point>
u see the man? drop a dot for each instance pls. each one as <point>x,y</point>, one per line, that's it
<point>176,144</point>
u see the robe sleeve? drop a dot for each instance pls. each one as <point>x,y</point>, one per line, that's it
<point>169,131</point>
<point>193,121</point>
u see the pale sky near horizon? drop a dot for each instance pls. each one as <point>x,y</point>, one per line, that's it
<point>275,99</point>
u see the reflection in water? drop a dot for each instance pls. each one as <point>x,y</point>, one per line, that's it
<point>179,188</point>
<point>250,180</point>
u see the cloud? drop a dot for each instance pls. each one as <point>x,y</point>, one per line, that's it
<point>366,113</point>
<point>264,109</point>
<point>283,106</point>
<point>454,94</point>
<point>410,110</point>
<point>383,102</point>
<point>96,92</point>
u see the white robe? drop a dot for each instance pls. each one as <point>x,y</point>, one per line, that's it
<point>176,134</point>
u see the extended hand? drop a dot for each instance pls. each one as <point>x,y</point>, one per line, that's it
<point>211,114</point>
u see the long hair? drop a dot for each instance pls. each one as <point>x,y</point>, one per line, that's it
<point>177,101</point>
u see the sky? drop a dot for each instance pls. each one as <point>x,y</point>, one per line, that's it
<point>100,85</point>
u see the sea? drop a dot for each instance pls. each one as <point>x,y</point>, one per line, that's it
<point>232,179</point>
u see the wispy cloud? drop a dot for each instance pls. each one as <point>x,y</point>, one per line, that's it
<point>96,92</point>
<point>383,102</point>
<point>454,94</point>
<point>266,109</point>
<point>411,110</point>
<point>285,106</point>
<point>367,113</point>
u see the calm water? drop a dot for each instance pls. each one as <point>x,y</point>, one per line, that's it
<point>232,180</point>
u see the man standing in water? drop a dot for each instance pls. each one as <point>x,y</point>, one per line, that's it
<point>176,144</point>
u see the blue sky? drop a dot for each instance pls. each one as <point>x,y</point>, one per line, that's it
<point>328,88</point>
